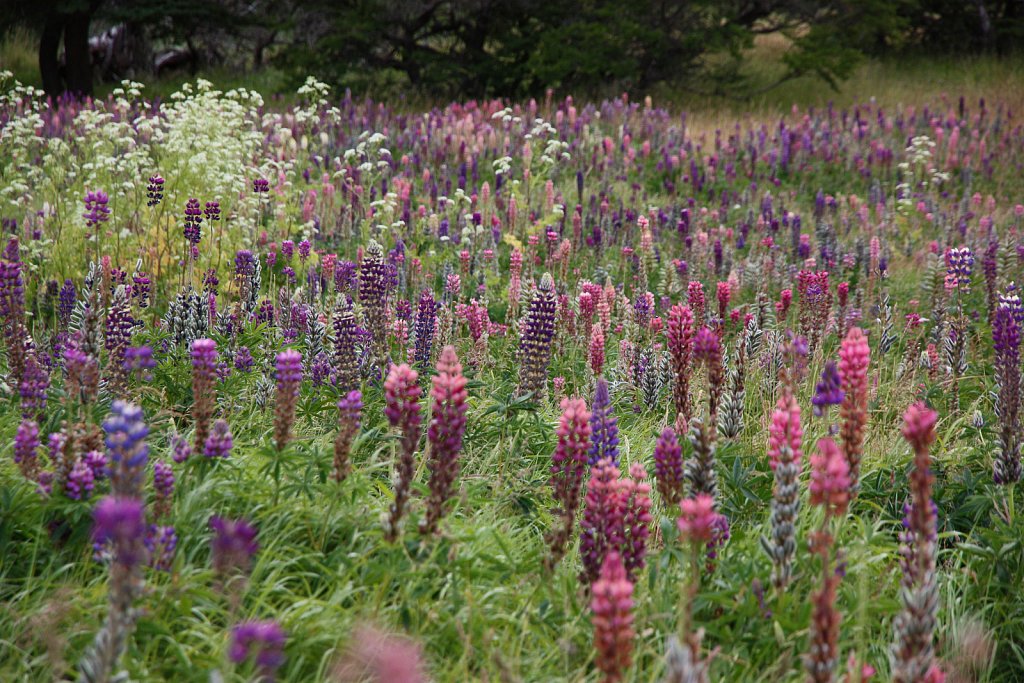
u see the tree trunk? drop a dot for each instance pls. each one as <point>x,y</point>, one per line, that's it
<point>49,66</point>
<point>76,54</point>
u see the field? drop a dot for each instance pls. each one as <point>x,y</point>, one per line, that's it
<point>328,389</point>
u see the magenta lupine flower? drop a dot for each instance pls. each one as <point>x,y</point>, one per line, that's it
<point>668,468</point>
<point>597,341</point>
<point>698,520</point>
<point>447,426</point>
<point>402,408</point>
<point>830,478</point>
<point>569,463</point>
<point>233,545</point>
<point>26,449</point>
<point>612,607</point>
<point>163,485</point>
<point>604,510</point>
<point>220,442</point>
<point>126,433</point>
<point>913,654</point>
<point>679,331</point>
<point>604,429</point>
<point>96,208</point>
<point>350,416</point>
<point>288,373</point>
<point>261,641</point>
<point>375,655</point>
<point>707,349</point>
<point>204,388</point>
<point>828,392</point>
<point>854,356</point>
<point>695,299</point>
<point>785,429</point>
<point>79,482</point>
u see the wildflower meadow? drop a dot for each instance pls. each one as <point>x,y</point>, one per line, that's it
<point>331,389</point>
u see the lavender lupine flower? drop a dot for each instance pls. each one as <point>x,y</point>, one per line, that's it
<point>913,653</point>
<point>604,439</point>
<point>96,209</point>
<point>97,462</point>
<point>262,641</point>
<point>204,388</point>
<point>536,332</point>
<point>155,190</point>
<point>447,426</point>
<point>26,449</point>
<point>350,415</point>
<point>119,524</point>
<point>289,379</point>
<point>668,468</point>
<point>1006,337</point>
<point>161,542</point>
<point>828,392</point>
<point>126,433</point>
<point>373,292</point>
<point>402,408</point>
<point>346,362</point>
<point>119,326</point>
<point>140,360</point>
<point>163,485</point>
<point>426,314</point>
<point>181,450</point>
<point>243,359</point>
<point>220,441</point>
<point>193,221</point>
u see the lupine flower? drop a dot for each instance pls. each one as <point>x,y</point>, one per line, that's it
<point>707,349</point>
<point>161,542</point>
<point>96,208</point>
<point>569,463</point>
<point>830,478</point>
<point>1006,337</point>
<point>668,468</point>
<point>126,433</point>
<point>426,315</point>
<point>604,429</point>
<point>26,449</point>
<point>163,484</point>
<point>204,387</point>
<point>601,528</point>
<point>79,482</point>
<point>536,333</point>
<point>828,392</point>
<point>261,641</point>
<point>959,266</point>
<point>679,331</point>
<point>913,655</point>
<point>612,607</point>
<point>373,292</point>
<point>447,426</point>
<point>854,355</point>
<point>698,519</point>
<point>97,462</point>
<point>139,359</point>
<point>288,374</point>
<point>784,442</point>
<point>233,545</point>
<point>402,408</point>
<point>377,656</point>
<point>700,469</point>
<point>596,350</point>
<point>155,190</point>
<point>346,363</point>
<point>695,298</point>
<point>823,655</point>
<point>350,415</point>
<point>220,441</point>
<point>243,359</point>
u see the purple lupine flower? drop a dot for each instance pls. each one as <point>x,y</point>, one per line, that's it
<point>536,333</point>
<point>79,483</point>
<point>304,249</point>
<point>668,468</point>
<point>163,485</point>
<point>26,449</point>
<point>426,314</point>
<point>141,286</point>
<point>245,263</point>
<point>204,388</point>
<point>350,415</point>
<point>320,369</point>
<point>220,442</point>
<point>1006,338</point>
<point>233,545</point>
<point>260,185</point>
<point>126,433</point>
<point>373,292</point>
<point>139,360</point>
<point>181,449</point>
<point>287,249</point>
<point>604,428</point>
<point>243,359</point>
<point>828,391</point>
<point>97,462</point>
<point>96,209</point>
<point>66,304</point>
<point>121,523</point>
<point>193,220</point>
<point>261,640</point>
<point>959,266</point>
<point>288,373</point>
<point>155,190</point>
<point>33,388</point>
<point>212,211</point>
<point>161,542</point>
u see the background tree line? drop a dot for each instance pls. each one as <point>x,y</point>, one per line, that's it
<point>511,48</point>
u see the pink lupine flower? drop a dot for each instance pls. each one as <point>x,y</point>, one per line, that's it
<point>854,355</point>
<point>402,408</point>
<point>447,426</point>
<point>830,478</point>
<point>569,463</point>
<point>698,521</point>
<point>612,607</point>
